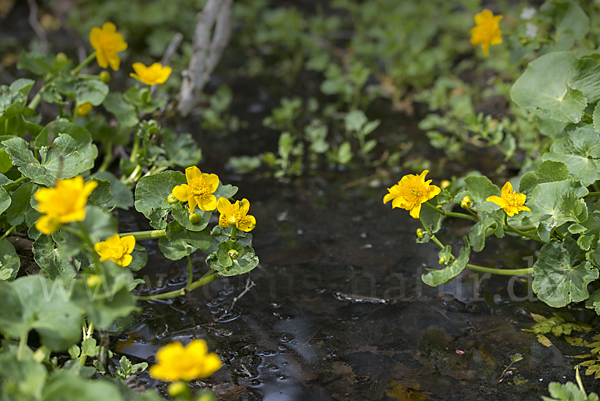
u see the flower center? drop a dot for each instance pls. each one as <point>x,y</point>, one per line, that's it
<point>107,41</point>
<point>199,187</point>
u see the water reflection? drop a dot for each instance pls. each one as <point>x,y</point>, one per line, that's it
<point>333,319</point>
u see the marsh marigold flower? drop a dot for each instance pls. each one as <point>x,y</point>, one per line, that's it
<point>116,248</point>
<point>107,43</point>
<point>487,32</point>
<point>62,204</point>
<point>410,192</point>
<point>235,214</point>
<point>178,363</point>
<point>198,190</point>
<point>511,201</point>
<point>155,74</point>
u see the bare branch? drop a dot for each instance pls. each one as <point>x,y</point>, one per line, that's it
<point>208,48</point>
<point>35,24</point>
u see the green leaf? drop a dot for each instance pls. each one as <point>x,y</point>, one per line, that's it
<point>568,392</point>
<point>5,162</point>
<point>101,195</point>
<point>61,126</point>
<point>355,120</point>
<point>125,112</point>
<point>20,206</point>
<point>580,152</point>
<point>23,378</point>
<point>5,200</point>
<point>68,155</point>
<point>90,91</point>
<point>175,250</point>
<point>547,171</point>
<point>554,203</point>
<point>110,300</point>
<point>64,385</point>
<point>48,259</point>
<point>151,196</point>
<point>122,197</point>
<point>140,258</point>
<point>182,150</point>
<point>181,214</point>
<point>9,260</point>
<point>243,264</point>
<point>568,19</point>
<point>557,278</point>
<point>35,302</point>
<point>593,302</point>
<point>225,191</point>
<point>544,86</point>
<point>447,274</point>
<point>485,221</point>
<point>480,188</point>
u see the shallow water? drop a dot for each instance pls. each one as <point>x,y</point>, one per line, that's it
<point>339,311</point>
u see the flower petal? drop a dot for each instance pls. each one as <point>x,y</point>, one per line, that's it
<point>181,192</point>
<point>246,223</point>
<point>129,242</point>
<point>192,173</point>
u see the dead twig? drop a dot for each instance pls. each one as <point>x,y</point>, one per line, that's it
<point>249,285</point>
<point>35,24</point>
<point>208,45</point>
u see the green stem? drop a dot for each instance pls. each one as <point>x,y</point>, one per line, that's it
<point>593,194</point>
<point>75,112</point>
<point>145,235</point>
<point>174,294</point>
<point>190,274</point>
<point>517,231</point>
<point>233,233</point>
<point>108,153</point>
<point>22,346</point>
<point>451,214</point>
<point>503,272</point>
<point>15,182</point>
<point>83,63</point>
<point>84,235</point>
<point>135,148</point>
<point>579,383</point>
<point>35,102</point>
<point>10,230</point>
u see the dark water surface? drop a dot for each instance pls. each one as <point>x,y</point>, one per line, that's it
<point>339,311</point>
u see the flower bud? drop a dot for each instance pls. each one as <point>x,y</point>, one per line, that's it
<point>105,77</point>
<point>62,57</point>
<point>465,203</point>
<point>84,109</point>
<point>445,184</point>
<point>442,260</point>
<point>172,199</point>
<point>233,254</point>
<point>93,281</point>
<point>194,218</point>
<point>176,389</point>
<point>420,233</point>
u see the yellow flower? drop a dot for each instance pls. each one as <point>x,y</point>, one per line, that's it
<point>487,32</point>
<point>410,192</point>
<point>116,248</point>
<point>511,201</point>
<point>107,43</point>
<point>178,363</point>
<point>155,74</point>
<point>84,109</point>
<point>198,190</point>
<point>235,214</point>
<point>62,204</point>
